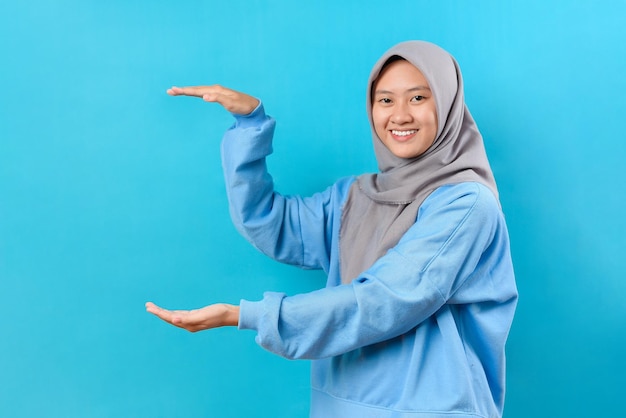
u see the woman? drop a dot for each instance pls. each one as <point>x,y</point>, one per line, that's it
<point>421,292</point>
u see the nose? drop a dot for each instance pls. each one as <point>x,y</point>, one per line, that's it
<point>401,114</point>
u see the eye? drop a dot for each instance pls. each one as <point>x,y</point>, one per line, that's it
<point>384,100</point>
<point>417,98</point>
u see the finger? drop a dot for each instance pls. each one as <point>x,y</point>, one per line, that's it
<point>194,91</point>
<point>150,307</point>
<point>185,91</point>
<point>164,314</point>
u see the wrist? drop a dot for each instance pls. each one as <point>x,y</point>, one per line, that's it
<point>253,118</point>
<point>231,315</point>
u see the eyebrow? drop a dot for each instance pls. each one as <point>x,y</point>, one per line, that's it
<point>418,88</point>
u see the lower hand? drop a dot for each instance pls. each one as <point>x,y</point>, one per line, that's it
<point>212,316</point>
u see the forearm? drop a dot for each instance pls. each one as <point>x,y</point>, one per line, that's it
<point>279,226</point>
<point>249,186</point>
<point>335,320</point>
<point>231,315</point>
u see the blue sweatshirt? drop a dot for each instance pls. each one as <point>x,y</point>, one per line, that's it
<point>419,334</point>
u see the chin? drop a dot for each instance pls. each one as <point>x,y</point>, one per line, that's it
<point>407,155</point>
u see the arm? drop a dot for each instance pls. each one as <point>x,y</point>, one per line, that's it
<point>438,255</point>
<point>291,229</point>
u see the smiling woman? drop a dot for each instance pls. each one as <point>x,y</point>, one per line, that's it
<point>420,292</point>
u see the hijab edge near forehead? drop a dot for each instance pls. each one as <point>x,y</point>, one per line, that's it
<point>440,71</point>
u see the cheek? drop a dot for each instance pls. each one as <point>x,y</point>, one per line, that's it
<point>433,125</point>
<point>380,122</point>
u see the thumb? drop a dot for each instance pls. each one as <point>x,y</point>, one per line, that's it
<point>211,97</point>
<point>234,102</point>
<point>228,101</point>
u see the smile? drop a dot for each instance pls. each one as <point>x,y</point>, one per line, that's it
<point>403,133</point>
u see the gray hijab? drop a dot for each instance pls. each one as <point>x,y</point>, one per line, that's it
<point>381,207</point>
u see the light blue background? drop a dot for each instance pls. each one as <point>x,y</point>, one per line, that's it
<point>111,191</point>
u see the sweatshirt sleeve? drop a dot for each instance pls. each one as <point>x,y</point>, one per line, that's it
<point>290,229</point>
<point>454,233</point>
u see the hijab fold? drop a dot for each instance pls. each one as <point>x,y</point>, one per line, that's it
<point>381,207</point>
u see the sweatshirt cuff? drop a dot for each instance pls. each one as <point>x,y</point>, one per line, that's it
<point>249,314</point>
<point>252,119</point>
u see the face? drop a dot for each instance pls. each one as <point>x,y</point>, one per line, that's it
<point>404,110</point>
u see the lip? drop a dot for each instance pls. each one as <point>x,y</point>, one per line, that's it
<point>405,137</point>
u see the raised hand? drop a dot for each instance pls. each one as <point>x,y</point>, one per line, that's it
<point>212,316</point>
<point>233,101</point>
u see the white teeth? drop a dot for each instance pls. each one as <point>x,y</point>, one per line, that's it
<point>403,133</point>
